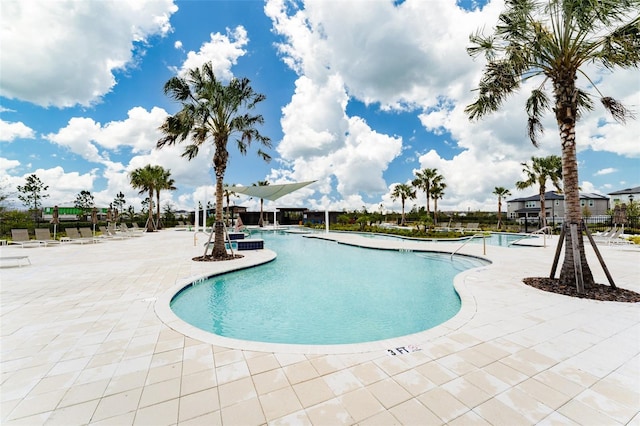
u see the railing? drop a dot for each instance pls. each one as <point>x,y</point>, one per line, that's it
<point>542,231</point>
<point>484,247</point>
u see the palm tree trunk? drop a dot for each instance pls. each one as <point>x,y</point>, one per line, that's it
<point>543,207</point>
<point>220,164</point>
<point>158,210</point>
<point>150,218</point>
<point>566,108</point>
<point>435,211</point>
<point>402,221</point>
<point>261,221</point>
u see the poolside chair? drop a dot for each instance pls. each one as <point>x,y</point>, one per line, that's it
<point>44,237</point>
<point>136,228</point>
<point>21,236</point>
<point>87,234</point>
<point>472,227</point>
<point>457,227</point>
<point>129,231</point>
<point>74,236</point>
<point>109,234</point>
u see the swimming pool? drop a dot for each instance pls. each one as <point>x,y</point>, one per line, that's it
<point>501,239</point>
<point>318,292</point>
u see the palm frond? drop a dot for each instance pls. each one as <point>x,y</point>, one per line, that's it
<point>618,111</point>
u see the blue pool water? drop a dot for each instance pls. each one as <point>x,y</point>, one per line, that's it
<point>320,292</point>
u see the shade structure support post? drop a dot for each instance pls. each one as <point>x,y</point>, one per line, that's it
<point>196,223</point>
<point>326,221</point>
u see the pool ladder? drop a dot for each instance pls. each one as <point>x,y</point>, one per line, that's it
<point>484,244</point>
<point>546,230</point>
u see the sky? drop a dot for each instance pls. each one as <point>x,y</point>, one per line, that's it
<point>359,96</point>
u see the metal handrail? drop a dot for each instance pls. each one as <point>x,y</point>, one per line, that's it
<point>463,244</point>
<point>537,232</point>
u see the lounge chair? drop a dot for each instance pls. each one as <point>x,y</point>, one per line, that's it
<point>21,236</point>
<point>44,236</point>
<point>110,234</point>
<point>87,234</point>
<point>472,227</point>
<point>457,227</point>
<point>136,228</point>
<point>73,236</point>
<point>129,231</point>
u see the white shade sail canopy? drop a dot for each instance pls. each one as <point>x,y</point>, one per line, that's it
<point>268,192</point>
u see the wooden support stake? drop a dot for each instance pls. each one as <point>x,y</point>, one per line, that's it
<point>577,265</point>
<point>558,251</point>
<point>595,248</point>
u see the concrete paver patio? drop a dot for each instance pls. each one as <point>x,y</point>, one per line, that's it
<point>87,338</point>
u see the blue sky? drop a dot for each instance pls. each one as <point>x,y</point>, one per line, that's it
<point>360,95</point>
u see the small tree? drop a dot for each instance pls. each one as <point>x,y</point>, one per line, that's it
<point>538,172</point>
<point>119,202</point>
<point>403,192</point>
<point>32,193</point>
<point>437,193</point>
<point>501,192</point>
<point>261,183</point>
<point>84,201</point>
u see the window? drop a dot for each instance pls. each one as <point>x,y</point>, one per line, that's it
<point>530,204</point>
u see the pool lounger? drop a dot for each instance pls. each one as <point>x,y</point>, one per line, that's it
<point>18,259</point>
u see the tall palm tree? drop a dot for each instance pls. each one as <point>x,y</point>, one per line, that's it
<point>538,173</point>
<point>424,180</point>
<point>163,182</point>
<point>501,192</point>
<point>437,193</point>
<point>213,112</point>
<point>404,192</point>
<point>555,40</point>
<point>144,179</point>
<point>261,183</point>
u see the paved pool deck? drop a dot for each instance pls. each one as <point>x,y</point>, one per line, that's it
<point>87,338</point>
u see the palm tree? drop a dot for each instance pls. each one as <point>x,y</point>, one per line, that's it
<point>538,172</point>
<point>501,192</point>
<point>404,192</point>
<point>261,183</point>
<point>555,40</point>
<point>212,111</point>
<point>437,193</point>
<point>424,180</point>
<point>163,182</point>
<point>145,179</point>
<point>228,193</point>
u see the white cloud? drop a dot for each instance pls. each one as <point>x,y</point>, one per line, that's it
<point>222,51</point>
<point>606,171</point>
<point>178,45</point>
<point>10,131</point>
<point>83,136</point>
<point>412,57</point>
<point>63,53</point>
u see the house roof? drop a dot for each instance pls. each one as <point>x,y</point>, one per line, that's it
<point>635,190</point>
<point>552,195</point>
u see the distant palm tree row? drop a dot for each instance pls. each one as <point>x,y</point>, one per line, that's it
<point>432,183</point>
<point>152,179</point>
<point>427,180</point>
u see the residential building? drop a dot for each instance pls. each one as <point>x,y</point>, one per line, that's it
<point>528,208</point>
<point>624,196</point>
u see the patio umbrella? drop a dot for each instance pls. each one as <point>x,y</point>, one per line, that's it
<point>109,215</point>
<point>55,219</point>
<point>620,215</point>
<point>94,219</point>
<point>239,224</point>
